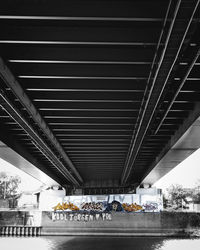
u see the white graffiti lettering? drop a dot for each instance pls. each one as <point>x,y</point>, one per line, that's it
<point>57,216</point>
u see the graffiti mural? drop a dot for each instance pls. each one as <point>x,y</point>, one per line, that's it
<point>114,206</point>
<point>145,200</point>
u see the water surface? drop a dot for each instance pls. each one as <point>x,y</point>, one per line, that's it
<point>97,243</point>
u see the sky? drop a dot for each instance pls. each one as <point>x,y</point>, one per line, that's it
<point>186,174</point>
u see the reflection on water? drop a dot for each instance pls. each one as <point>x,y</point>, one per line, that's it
<point>97,243</point>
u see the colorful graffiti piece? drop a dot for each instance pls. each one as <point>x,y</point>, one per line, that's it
<point>92,206</point>
<point>151,206</point>
<point>132,207</point>
<point>66,206</point>
<point>114,206</point>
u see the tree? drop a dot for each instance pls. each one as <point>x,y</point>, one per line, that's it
<point>165,201</point>
<point>196,193</point>
<point>178,196</point>
<point>9,185</point>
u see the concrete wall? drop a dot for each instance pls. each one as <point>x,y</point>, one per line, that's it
<point>20,218</point>
<point>119,220</point>
<point>8,218</point>
<point>122,223</point>
<point>152,224</point>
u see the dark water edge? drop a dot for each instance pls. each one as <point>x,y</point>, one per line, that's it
<point>98,243</point>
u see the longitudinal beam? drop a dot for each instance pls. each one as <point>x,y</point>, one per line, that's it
<point>9,79</point>
<point>183,80</point>
<point>37,140</point>
<point>95,43</point>
<point>160,79</point>
<point>81,18</point>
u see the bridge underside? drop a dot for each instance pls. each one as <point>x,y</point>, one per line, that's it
<point>96,93</point>
<point>12,157</point>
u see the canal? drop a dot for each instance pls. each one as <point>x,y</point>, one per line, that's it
<point>98,243</point>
